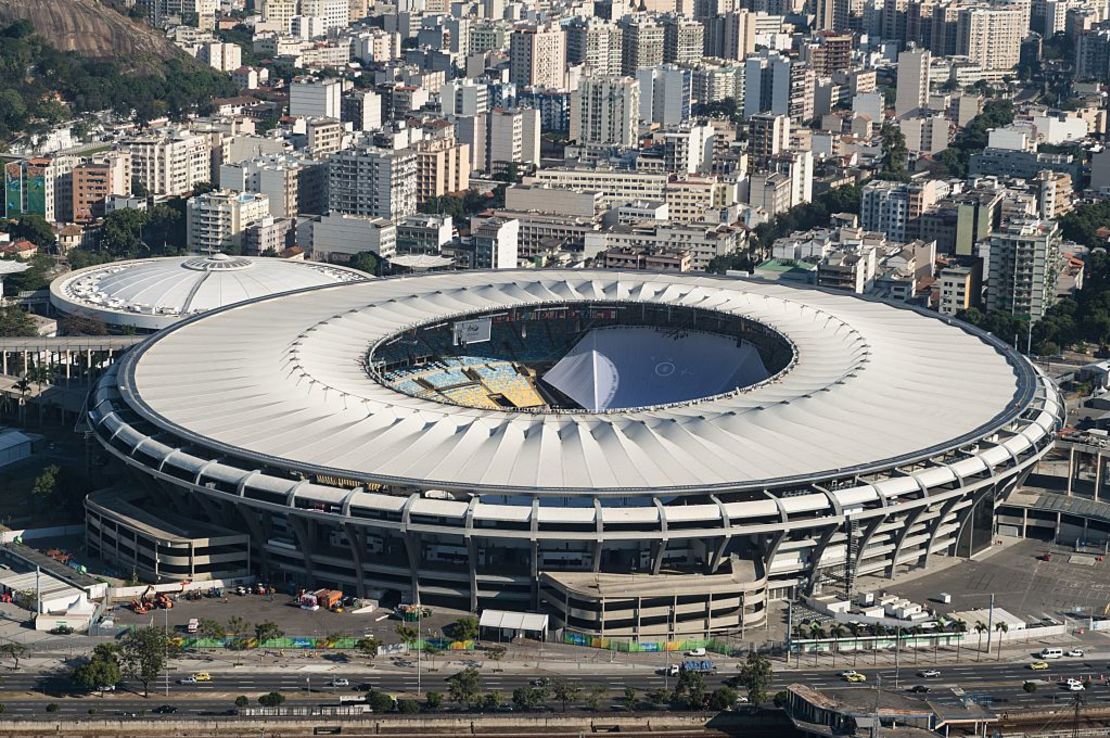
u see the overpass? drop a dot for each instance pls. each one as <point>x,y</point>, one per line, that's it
<point>65,353</point>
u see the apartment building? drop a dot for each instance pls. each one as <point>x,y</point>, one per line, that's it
<point>374,182</point>
<point>683,39</point>
<point>959,288</point>
<point>215,220</point>
<point>442,167</point>
<point>1054,193</point>
<point>605,110</point>
<point>1023,263</point>
<point>642,43</point>
<point>316,98</point>
<point>617,186</point>
<point>537,56</point>
<point>512,137</point>
<point>990,37</point>
<point>171,163</point>
<point>95,180</point>
<point>337,237</point>
<point>912,90</point>
<point>697,199</point>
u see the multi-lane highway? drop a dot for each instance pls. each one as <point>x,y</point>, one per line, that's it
<point>997,684</point>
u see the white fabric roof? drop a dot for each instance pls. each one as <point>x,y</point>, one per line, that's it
<point>155,293</point>
<point>283,379</point>
<point>508,620</point>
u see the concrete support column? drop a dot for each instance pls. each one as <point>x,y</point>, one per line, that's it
<point>412,548</point>
<point>356,542</point>
<point>1071,469</point>
<point>306,542</point>
<point>1098,473</point>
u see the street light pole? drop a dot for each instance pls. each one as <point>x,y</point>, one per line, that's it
<point>166,643</point>
<point>419,635</point>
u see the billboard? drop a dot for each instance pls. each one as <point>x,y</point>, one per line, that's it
<point>472,331</point>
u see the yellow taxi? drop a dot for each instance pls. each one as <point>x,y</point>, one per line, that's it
<point>855,677</point>
<point>1038,665</point>
<point>202,676</point>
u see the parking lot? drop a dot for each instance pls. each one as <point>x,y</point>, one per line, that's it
<point>1022,582</point>
<point>282,610</point>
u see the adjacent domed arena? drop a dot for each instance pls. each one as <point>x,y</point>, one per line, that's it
<point>635,454</point>
<point>151,294</point>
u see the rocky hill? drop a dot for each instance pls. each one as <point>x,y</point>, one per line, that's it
<point>89,28</point>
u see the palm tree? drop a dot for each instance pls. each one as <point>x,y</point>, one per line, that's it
<point>817,634</point>
<point>836,630</point>
<point>855,628</point>
<point>959,627</point>
<point>1001,628</point>
<point>980,628</point>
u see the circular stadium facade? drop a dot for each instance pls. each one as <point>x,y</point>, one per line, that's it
<point>151,294</point>
<point>639,455</point>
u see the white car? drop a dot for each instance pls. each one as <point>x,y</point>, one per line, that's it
<point>929,674</point>
<point>850,672</point>
<point>340,682</point>
<point>1074,685</point>
<point>1077,653</point>
<point>696,652</point>
<point>187,680</point>
<point>107,688</point>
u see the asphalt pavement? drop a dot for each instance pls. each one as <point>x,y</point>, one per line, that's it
<point>995,684</point>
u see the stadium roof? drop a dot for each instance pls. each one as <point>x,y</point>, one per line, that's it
<point>155,293</point>
<point>281,382</point>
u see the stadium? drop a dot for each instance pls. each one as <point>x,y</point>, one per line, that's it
<point>637,455</point>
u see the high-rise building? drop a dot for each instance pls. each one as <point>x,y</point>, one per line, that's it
<point>333,13</point>
<point>768,84</point>
<point>277,176</point>
<point>41,185</point>
<point>442,167</point>
<point>363,109</point>
<point>170,164</point>
<point>832,15</point>
<point>830,53</point>
<point>215,220</point>
<point>990,36</point>
<point>730,35</point>
<point>95,180</point>
<point>1022,266</point>
<point>279,12</point>
<point>461,96</point>
<point>512,137</point>
<point>666,94</point>
<point>1054,191</point>
<point>370,181</point>
<point>496,242</point>
<point>768,136</point>
<point>642,43</point>
<point>316,98</point>
<point>959,288</point>
<point>605,110</point>
<point>912,91</point>
<point>596,45</point>
<point>537,56</point>
<point>683,39</point>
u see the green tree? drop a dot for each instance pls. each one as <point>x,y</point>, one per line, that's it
<point>380,701</point>
<point>528,697</point>
<point>465,629</point>
<point>145,653</point>
<point>15,323</point>
<point>433,701</point>
<point>495,653</point>
<point>781,698</point>
<point>689,691</point>
<point>564,691</point>
<point>592,698</point>
<point>408,707</point>
<point>237,626</point>
<point>242,701</point>
<point>209,628</point>
<point>755,676</point>
<point>1002,629</point>
<point>722,698</point>
<point>45,484</point>
<point>1029,687</point>
<point>102,669</point>
<point>271,699</point>
<point>35,229</point>
<point>14,651</point>
<point>366,261</point>
<point>629,697</point>
<point>894,153</point>
<point>980,628</point>
<point>465,686</point>
<point>959,627</point>
<point>267,631</point>
<point>491,701</point>
<point>368,646</point>
<point>407,633</point>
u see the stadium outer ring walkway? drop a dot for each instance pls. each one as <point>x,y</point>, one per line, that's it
<point>892,438</point>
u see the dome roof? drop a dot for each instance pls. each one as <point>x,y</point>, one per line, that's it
<point>155,293</point>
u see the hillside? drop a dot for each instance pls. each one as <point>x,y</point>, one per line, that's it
<point>88,28</point>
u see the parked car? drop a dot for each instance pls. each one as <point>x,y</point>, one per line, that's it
<point>696,652</point>
<point>1077,653</point>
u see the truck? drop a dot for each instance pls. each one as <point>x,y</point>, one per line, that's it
<point>699,666</point>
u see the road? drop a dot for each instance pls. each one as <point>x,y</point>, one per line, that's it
<point>992,683</point>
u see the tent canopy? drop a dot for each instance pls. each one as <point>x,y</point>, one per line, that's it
<point>508,620</point>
